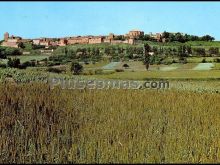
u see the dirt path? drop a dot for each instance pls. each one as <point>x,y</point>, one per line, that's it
<point>111,65</point>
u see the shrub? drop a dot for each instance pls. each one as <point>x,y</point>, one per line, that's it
<point>76,68</point>
<point>158,62</point>
<point>22,66</point>
<point>183,60</point>
<point>167,63</point>
<point>119,70</point>
<point>54,70</point>
<point>174,61</point>
<point>13,63</point>
<point>217,60</point>
<point>203,60</point>
<point>29,63</point>
<point>88,72</point>
<point>98,71</point>
<point>126,66</point>
<point>3,65</point>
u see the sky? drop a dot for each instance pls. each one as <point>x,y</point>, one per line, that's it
<point>62,19</point>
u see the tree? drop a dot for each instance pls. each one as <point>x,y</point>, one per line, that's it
<point>165,34</point>
<point>126,66</point>
<point>207,38</point>
<point>14,63</point>
<point>213,51</point>
<point>179,37</point>
<point>147,37</point>
<point>171,37</point>
<point>76,68</point>
<point>199,51</point>
<point>21,45</point>
<point>203,60</point>
<point>189,49</point>
<point>147,49</point>
<point>2,54</point>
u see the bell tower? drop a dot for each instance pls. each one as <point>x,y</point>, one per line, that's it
<point>6,36</point>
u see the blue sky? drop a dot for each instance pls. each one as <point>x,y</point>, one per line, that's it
<point>59,19</point>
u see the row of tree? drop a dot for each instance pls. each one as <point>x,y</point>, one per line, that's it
<point>131,52</point>
<point>178,37</point>
<point>6,51</point>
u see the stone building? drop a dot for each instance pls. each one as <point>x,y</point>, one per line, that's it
<point>42,41</point>
<point>135,33</point>
<point>78,40</point>
<point>96,40</point>
<point>111,36</point>
<point>62,42</point>
<point>131,41</point>
<point>12,41</point>
<point>6,36</point>
<point>157,36</point>
<point>106,40</point>
<point>45,42</point>
<point>36,41</point>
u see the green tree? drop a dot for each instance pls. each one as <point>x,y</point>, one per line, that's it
<point>21,45</point>
<point>199,51</point>
<point>165,34</point>
<point>76,68</point>
<point>147,49</point>
<point>214,51</point>
<point>13,63</point>
<point>207,38</point>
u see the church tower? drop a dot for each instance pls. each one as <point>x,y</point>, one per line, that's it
<point>6,36</point>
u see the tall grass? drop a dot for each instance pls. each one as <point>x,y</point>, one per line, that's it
<point>43,125</point>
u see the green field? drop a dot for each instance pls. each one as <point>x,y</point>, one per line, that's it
<point>24,58</point>
<point>177,74</point>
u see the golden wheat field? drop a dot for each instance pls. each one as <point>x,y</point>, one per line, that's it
<point>43,125</point>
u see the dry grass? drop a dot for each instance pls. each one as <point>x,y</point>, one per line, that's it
<point>40,125</point>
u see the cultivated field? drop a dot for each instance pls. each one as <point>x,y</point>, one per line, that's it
<point>43,125</point>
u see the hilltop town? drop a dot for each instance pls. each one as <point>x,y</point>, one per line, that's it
<point>129,38</point>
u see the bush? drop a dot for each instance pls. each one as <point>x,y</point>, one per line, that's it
<point>183,60</point>
<point>174,61</point>
<point>119,70</point>
<point>3,65</point>
<point>98,71</point>
<point>50,63</point>
<point>54,70</point>
<point>76,68</point>
<point>126,66</point>
<point>5,51</point>
<point>203,60</point>
<point>217,60</point>
<point>158,62</point>
<point>86,62</point>
<point>88,72</point>
<point>167,63</point>
<point>13,63</point>
<point>29,63</point>
<point>22,66</point>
